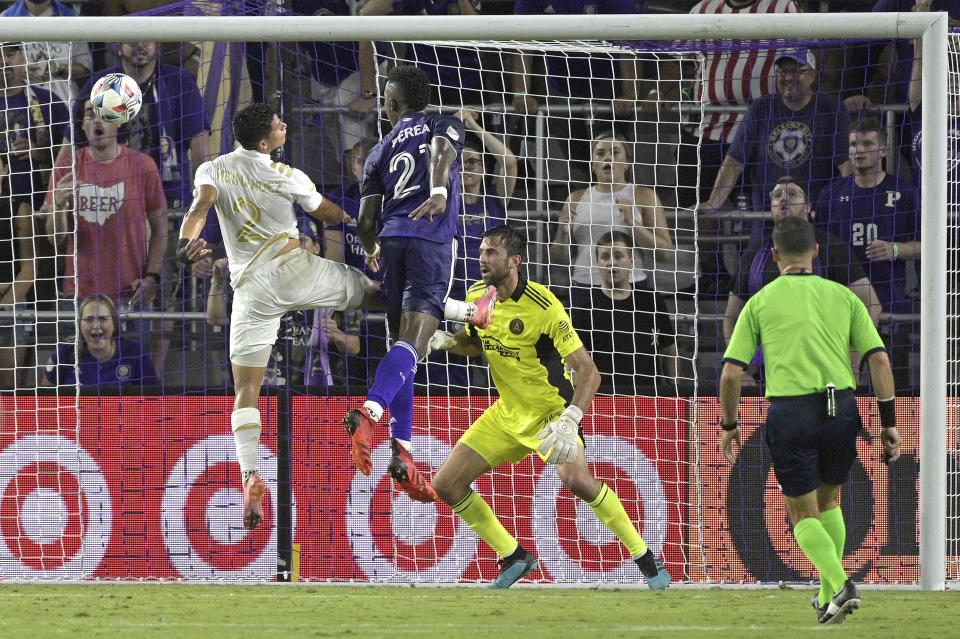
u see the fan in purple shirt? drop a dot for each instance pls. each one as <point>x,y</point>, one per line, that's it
<point>104,357</point>
<point>798,132</point>
<point>341,243</point>
<point>410,197</point>
<point>878,215</point>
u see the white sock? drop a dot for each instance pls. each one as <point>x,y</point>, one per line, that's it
<point>405,443</point>
<point>373,409</point>
<point>245,423</point>
<point>458,311</point>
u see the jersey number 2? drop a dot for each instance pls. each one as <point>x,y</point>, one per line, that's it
<point>401,190</point>
<point>248,232</point>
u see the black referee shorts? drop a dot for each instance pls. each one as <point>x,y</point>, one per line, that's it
<point>809,448</point>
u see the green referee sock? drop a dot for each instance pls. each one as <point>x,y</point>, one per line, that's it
<point>479,516</point>
<point>819,549</point>
<point>833,523</point>
<point>610,511</point>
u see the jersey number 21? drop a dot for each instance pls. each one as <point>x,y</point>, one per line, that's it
<point>404,162</point>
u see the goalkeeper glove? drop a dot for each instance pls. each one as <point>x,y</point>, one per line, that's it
<point>561,436</point>
<point>441,341</point>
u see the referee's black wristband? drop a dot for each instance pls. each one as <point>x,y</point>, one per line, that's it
<point>729,427</point>
<point>888,412</point>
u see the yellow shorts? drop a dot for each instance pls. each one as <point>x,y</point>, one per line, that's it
<point>497,438</point>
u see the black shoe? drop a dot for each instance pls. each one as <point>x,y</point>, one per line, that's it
<point>815,602</point>
<point>513,568</point>
<point>842,604</point>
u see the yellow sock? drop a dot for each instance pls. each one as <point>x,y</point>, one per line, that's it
<point>479,516</point>
<point>610,511</point>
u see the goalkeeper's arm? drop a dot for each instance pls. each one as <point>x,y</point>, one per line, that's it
<point>586,378</point>
<point>460,344</point>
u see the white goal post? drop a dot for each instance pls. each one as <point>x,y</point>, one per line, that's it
<point>931,28</point>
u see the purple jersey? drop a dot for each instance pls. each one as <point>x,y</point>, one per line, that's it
<point>129,365</point>
<point>856,215</point>
<point>398,169</point>
<point>36,115</point>
<point>774,140</point>
<point>571,74</point>
<point>486,213</point>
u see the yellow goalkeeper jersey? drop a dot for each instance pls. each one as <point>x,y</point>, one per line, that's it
<point>525,346</point>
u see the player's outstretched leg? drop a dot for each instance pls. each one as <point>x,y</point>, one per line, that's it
<point>514,567</point>
<point>404,471</point>
<point>360,426</point>
<point>253,491</point>
<point>479,313</point>
<point>842,604</point>
<point>485,305</point>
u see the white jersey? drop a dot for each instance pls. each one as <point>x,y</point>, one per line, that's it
<point>255,198</point>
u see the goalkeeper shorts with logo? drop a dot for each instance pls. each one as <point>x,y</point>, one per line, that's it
<point>296,280</point>
<point>497,437</point>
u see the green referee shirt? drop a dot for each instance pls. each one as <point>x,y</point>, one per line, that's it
<point>807,326</point>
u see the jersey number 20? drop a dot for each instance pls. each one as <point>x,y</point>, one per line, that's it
<point>401,190</point>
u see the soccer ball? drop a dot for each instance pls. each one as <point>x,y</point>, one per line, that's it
<point>116,98</point>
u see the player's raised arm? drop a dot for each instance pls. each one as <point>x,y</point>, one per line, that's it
<point>442,156</point>
<point>330,213</point>
<point>191,247</point>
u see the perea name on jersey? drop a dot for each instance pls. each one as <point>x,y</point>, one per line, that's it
<point>398,170</point>
<point>410,131</point>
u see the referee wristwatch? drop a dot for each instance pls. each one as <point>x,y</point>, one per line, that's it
<point>728,427</point>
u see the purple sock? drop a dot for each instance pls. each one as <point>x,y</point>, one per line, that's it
<point>396,368</point>
<point>401,412</point>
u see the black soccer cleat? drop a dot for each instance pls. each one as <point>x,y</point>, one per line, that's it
<point>842,604</point>
<point>514,567</point>
<point>815,602</point>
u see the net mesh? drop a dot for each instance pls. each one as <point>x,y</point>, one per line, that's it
<point>135,478</point>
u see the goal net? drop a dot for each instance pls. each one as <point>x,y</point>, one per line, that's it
<point>599,152</point>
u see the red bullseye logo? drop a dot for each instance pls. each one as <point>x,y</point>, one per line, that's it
<point>55,510</point>
<point>425,544</point>
<point>203,515</point>
<point>572,544</point>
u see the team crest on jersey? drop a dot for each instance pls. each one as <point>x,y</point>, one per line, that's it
<point>790,144</point>
<point>516,326</point>
<point>123,372</point>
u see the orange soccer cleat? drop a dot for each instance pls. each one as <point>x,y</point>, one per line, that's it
<point>253,493</point>
<point>404,472</point>
<point>484,315</point>
<point>360,426</point>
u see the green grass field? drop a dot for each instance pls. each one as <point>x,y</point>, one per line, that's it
<point>176,610</point>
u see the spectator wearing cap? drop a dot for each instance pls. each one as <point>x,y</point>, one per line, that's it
<point>798,131</point>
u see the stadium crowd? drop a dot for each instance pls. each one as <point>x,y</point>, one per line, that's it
<point>830,134</point>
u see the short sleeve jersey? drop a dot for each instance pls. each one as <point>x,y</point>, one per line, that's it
<point>807,325</point>
<point>526,344</point>
<point>255,198</point>
<point>774,140</point>
<point>113,203</point>
<point>889,211</point>
<point>130,364</point>
<point>398,169</point>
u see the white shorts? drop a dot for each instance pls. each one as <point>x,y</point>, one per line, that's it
<point>296,280</point>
